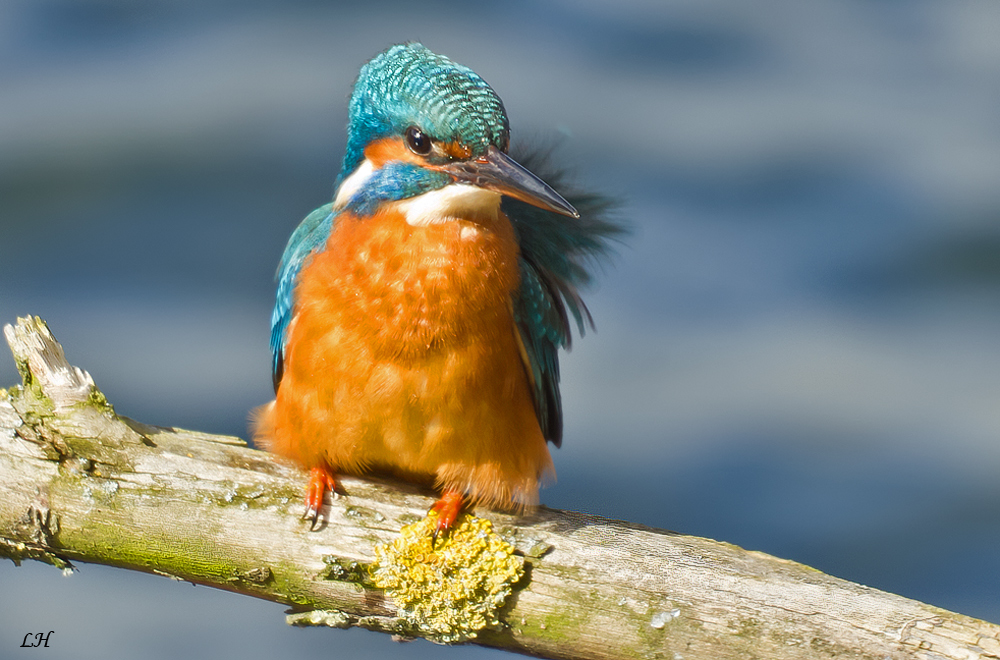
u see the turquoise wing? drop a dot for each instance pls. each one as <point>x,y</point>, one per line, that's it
<point>540,316</point>
<point>308,237</point>
<point>555,254</point>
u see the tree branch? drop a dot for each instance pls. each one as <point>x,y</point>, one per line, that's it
<point>79,483</point>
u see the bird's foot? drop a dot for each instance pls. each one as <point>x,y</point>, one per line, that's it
<point>321,480</point>
<point>448,508</point>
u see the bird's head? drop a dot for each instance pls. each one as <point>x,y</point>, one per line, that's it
<point>421,123</point>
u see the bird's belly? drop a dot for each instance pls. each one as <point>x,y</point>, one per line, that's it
<point>417,412</point>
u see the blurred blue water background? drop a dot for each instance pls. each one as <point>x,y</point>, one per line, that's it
<point>798,349</point>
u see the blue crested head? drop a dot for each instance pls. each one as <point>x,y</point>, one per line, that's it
<point>420,122</point>
<point>407,86</point>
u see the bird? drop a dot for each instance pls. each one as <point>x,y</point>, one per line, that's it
<point>419,315</point>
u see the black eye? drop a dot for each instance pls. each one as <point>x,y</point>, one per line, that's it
<point>418,142</point>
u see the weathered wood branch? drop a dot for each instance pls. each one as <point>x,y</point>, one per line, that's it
<point>78,483</point>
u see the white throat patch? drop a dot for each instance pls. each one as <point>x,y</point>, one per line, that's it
<point>453,202</point>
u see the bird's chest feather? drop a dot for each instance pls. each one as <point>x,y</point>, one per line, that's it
<point>410,290</point>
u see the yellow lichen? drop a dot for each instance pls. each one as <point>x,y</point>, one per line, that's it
<point>454,589</point>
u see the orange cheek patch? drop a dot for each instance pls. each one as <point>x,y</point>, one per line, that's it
<point>382,151</point>
<point>457,150</point>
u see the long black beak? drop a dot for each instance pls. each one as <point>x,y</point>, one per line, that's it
<point>498,171</point>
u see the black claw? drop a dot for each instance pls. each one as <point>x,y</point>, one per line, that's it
<point>439,532</point>
<point>312,515</point>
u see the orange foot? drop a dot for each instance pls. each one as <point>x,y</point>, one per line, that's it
<point>320,481</point>
<point>448,508</point>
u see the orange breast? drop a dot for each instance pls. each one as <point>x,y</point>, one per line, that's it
<point>402,356</point>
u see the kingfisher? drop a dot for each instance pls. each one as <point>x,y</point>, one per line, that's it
<point>419,315</point>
